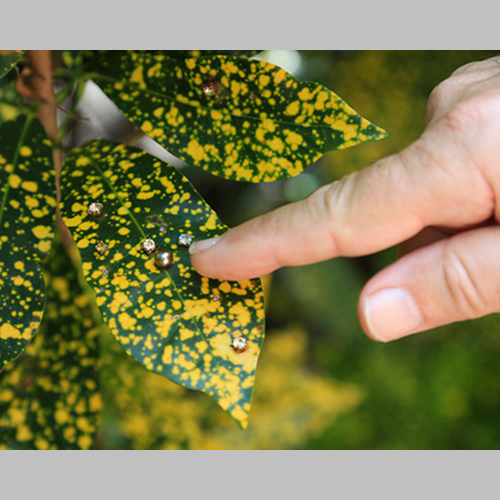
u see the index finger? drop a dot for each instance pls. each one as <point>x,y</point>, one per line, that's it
<point>429,183</point>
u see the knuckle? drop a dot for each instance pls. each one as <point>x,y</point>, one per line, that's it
<point>334,204</point>
<point>471,67</point>
<point>479,68</point>
<point>475,121</point>
<point>265,225</point>
<point>439,95</point>
<point>464,116</point>
<point>462,286</point>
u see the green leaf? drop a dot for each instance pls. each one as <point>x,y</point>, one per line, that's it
<point>184,54</point>
<point>11,104</point>
<point>8,59</point>
<point>72,58</point>
<point>175,322</point>
<point>49,397</point>
<point>27,193</point>
<point>237,118</point>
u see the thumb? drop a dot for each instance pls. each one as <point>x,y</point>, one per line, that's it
<point>451,280</point>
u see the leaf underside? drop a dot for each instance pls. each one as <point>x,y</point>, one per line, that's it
<point>27,194</point>
<point>8,59</point>
<point>175,322</point>
<point>237,118</point>
<point>49,397</point>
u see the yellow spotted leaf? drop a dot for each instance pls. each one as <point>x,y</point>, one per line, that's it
<point>203,334</point>
<point>27,193</point>
<point>49,397</point>
<point>184,54</point>
<point>237,118</point>
<point>8,59</point>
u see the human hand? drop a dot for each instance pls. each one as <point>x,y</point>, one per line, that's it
<point>438,198</point>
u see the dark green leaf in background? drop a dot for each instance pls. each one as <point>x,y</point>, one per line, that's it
<point>175,322</point>
<point>49,397</point>
<point>8,59</point>
<point>72,58</point>
<point>27,194</point>
<point>237,118</point>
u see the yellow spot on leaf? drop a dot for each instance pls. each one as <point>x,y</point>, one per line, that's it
<point>195,150</point>
<point>82,161</point>
<point>14,181</point>
<point>84,442</point>
<point>167,355</point>
<point>293,108</point>
<point>9,332</point>
<point>42,232</point>
<point>61,416</point>
<point>30,186</point>
<point>137,76</point>
<point>147,126</point>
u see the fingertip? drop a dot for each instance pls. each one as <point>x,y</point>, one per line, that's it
<point>200,246</point>
<point>213,259</point>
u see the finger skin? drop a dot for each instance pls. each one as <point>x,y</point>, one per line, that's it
<point>381,206</point>
<point>455,279</point>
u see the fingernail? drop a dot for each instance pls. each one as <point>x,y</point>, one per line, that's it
<point>391,314</point>
<point>200,246</point>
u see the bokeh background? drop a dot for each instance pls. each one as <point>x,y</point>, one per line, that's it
<point>321,384</point>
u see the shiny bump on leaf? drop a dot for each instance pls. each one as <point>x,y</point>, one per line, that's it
<point>95,209</point>
<point>164,258</point>
<point>149,246</point>
<point>185,240</point>
<point>101,248</point>
<point>239,344</point>
<point>210,89</point>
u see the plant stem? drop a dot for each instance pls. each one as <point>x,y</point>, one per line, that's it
<point>36,83</point>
